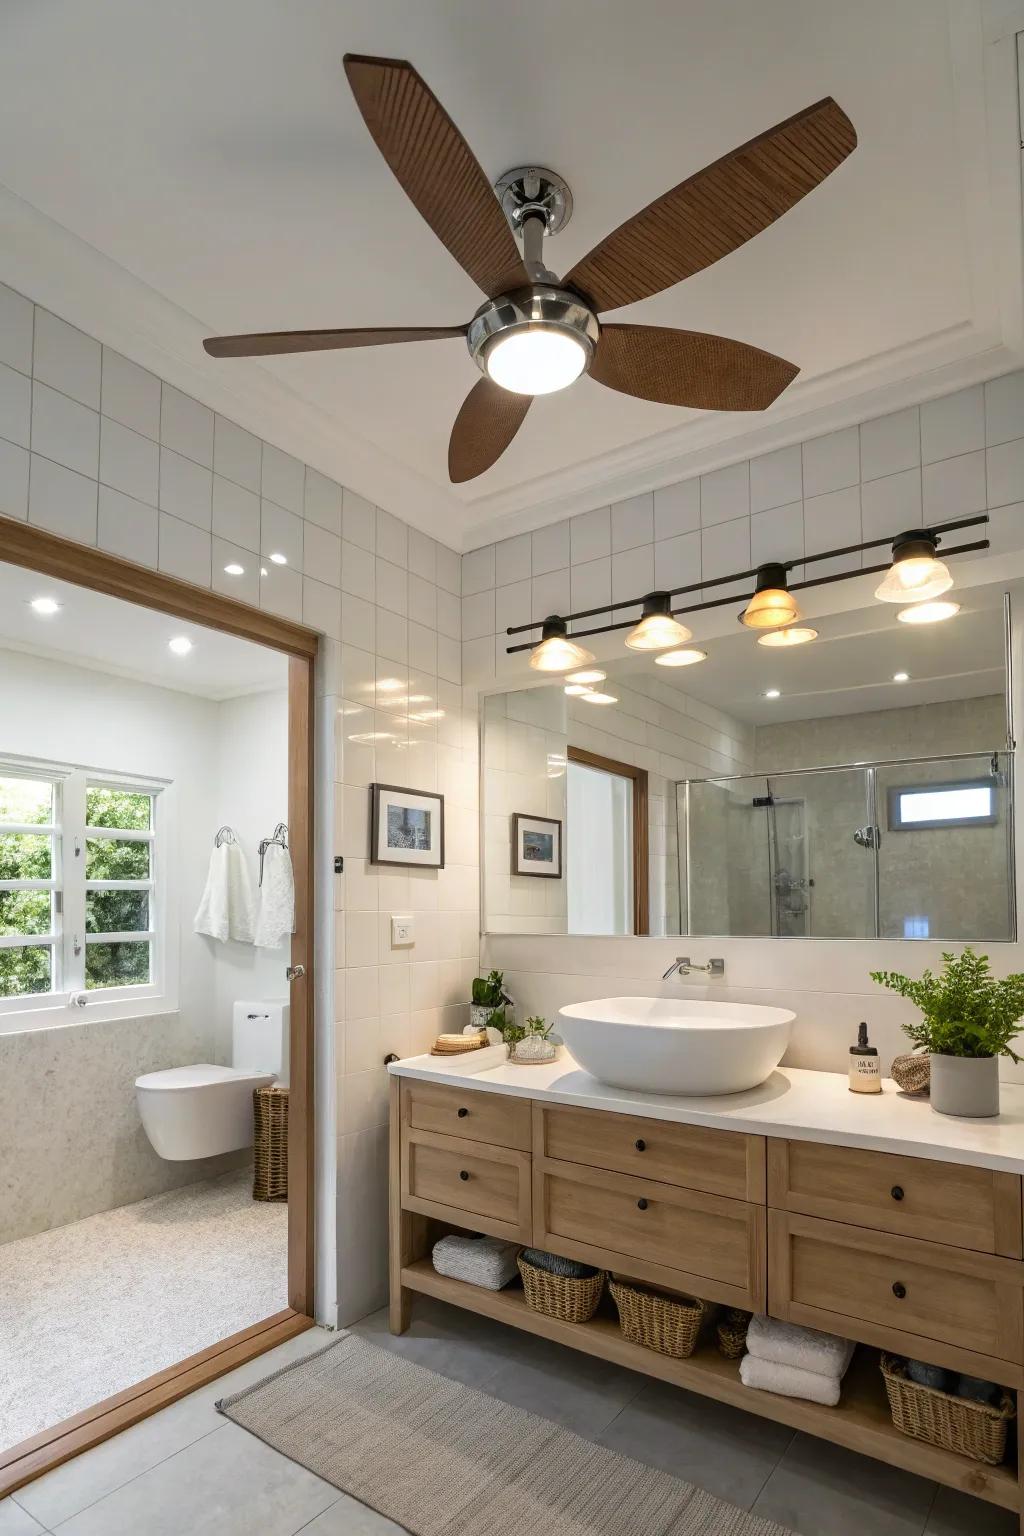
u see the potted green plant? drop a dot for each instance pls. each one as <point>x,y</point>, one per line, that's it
<point>530,1043</point>
<point>490,1003</point>
<point>968,1019</point>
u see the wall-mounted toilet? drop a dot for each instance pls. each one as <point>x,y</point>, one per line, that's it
<point>203,1110</point>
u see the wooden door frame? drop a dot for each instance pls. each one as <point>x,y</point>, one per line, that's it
<point>641,830</point>
<point>36,550</point>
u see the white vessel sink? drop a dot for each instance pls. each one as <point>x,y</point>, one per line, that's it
<point>658,1045</point>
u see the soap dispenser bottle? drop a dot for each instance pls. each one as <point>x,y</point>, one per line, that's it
<point>865,1070</point>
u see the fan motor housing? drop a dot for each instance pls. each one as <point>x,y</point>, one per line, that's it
<point>542,307</point>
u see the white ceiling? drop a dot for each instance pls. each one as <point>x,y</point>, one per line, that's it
<point>106,635</point>
<point>178,171</point>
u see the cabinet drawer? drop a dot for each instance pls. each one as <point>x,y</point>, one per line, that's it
<point>486,1189</point>
<point>942,1202</point>
<point>497,1119</point>
<point>696,1157</point>
<point>893,1291</point>
<point>681,1238</point>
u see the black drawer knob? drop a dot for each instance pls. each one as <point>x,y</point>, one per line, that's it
<point>463,1175</point>
<point>641,1205</point>
<point>640,1144</point>
<point>897,1191</point>
<point>899,1290</point>
<point>463,1113</point>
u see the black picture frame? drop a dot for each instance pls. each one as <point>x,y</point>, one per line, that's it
<point>518,869</point>
<point>383,794</point>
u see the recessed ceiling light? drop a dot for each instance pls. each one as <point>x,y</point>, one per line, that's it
<point>685,658</point>
<point>278,558</point>
<point>45,606</point>
<point>795,635</point>
<point>600,698</point>
<point>928,613</point>
<point>234,569</point>
<point>772,693</point>
<point>588,675</point>
<point>901,677</point>
<point>180,645</point>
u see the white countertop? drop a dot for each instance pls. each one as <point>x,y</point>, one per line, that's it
<point>805,1106</point>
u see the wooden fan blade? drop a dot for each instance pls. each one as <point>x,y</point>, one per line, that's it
<point>707,373</point>
<point>717,210</point>
<point>270,343</point>
<point>437,170</point>
<point>488,421</point>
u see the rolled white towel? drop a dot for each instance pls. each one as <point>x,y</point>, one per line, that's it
<point>790,1380</point>
<point>805,1348</point>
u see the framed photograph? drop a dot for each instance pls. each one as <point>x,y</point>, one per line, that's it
<point>406,827</point>
<point>536,846</point>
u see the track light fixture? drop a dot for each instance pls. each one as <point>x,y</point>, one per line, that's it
<point>556,652</point>
<point>657,629</point>
<point>916,575</point>
<point>772,604</point>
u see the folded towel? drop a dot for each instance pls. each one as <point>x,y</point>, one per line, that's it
<point>484,1261</point>
<point>790,1380</point>
<point>276,918</point>
<point>556,1265</point>
<point>225,910</point>
<point>805,1348</point>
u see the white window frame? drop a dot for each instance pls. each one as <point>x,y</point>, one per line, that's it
<point>70,999</point>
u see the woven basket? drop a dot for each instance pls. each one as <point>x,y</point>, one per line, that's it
<point>270,1134</point>
<point>977,1430</point>
<point>912,1072</point>
<point>732,1333</point>
<point>561,1296</point>
<point>667,1324</point>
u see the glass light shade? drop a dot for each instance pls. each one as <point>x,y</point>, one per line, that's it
<point>588,675</point>
<point>781,638</point>
<point>536,361</point>
<point>770,608</point>
<point>656,632</point>
<point>681,658</point>
<point>914,579</point>
<point>557,653</point>
<point>928,613</point>
<point>593,697</point>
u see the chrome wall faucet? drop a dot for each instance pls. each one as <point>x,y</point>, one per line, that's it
<point>682,966</point>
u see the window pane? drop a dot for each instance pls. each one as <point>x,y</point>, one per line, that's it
<point>108,859</point>
<point>25,856</point>
<point>946,804</point>
<point>116,965</point>
<point>116,911</point>
<point>118,808</point>
<point>25,970</point>
<point>24,912</point>
<point>26,800</point>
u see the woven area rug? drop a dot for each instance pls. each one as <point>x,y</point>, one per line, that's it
<point>442,1459</point>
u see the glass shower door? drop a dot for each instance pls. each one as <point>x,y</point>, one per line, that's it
<point>727,857</point>
<point>822,860</point>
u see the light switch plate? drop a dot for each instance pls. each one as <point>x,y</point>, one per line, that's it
<point>403,930</point>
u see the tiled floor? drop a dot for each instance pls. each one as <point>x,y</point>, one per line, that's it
<point>185,1472</point>
<point>91,1308</point>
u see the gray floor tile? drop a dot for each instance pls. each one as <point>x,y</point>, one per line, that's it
<point>718,1447</point>
<point>819,1489</point>
<point>226,1484</point>
<point>957,1514</point>
<point>15,1521</point>
<point>579,1391</point>
<point>446,1339</point>
<point>350,1518</point>
<point>89,1477</point>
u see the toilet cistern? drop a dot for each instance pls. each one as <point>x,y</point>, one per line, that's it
<point>682,966</point>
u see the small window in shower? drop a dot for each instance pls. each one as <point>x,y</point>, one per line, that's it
<point>929,807</point>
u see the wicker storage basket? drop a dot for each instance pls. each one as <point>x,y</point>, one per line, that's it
<point>912,1072</point>
<point>561,1296</point>
<point>270,1128</point>
<point>957,1424</point>
<point>732,1333</point>
<point>667,1324</point>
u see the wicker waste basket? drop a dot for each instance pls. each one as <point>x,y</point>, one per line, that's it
<point>270,1127</point>
<point>957,1424</point>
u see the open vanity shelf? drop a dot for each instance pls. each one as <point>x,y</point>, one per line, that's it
<point>921,1257</point>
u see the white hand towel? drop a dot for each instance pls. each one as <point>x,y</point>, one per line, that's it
<point>276,919</point>
<point>790,1380</point>
<point>225,910</point>
<point>805,1348</point>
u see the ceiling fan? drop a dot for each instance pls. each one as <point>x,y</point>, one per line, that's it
<point>536,333</point>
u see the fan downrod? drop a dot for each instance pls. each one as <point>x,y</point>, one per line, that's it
<point>530,191</point>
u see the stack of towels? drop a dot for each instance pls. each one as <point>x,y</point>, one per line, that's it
<point>795,1362</point>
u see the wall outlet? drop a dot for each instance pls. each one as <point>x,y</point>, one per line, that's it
<point>403,931</point>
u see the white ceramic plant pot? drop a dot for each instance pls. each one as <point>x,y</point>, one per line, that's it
<point>965,1085</point>
<point>480,1013</point>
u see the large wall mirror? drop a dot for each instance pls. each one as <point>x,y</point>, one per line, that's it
<point>858,786</point>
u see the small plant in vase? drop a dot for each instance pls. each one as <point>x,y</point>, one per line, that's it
<point>968,1019</point>
<point>531,1043</point>
<point>491,1006</point>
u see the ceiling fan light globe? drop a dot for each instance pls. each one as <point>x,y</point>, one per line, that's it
<point>535,361</point>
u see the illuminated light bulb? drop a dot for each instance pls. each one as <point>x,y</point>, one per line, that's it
<point>555,652</point>
<point>772,693</point>
<point>687,658</point>
<point>46,607</point>
<point>916,575</point>
<point>180,645</point>
<point>657,629</point>
<point>234,569</point>
<point>781,638</point>
<point>772,605</point>
<point>928,613</point>
<point>278,559</point>
<point>901,677</point>
<point>536,361</point>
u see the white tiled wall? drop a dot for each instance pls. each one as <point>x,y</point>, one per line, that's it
<point>99,450</point>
